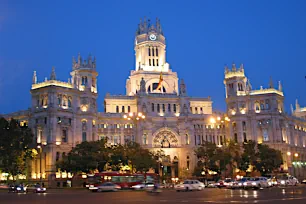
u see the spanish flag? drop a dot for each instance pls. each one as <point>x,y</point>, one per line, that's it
<point>160,81</point>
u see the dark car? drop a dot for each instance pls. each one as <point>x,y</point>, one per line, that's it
<point>17,189</point>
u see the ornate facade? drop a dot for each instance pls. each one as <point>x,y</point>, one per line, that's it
<point>161,113</point>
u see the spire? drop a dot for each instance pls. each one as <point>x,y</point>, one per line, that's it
<point>291,108</point>
<point>271,86</point>
<point>233,67</point>
<point>249,86</point>
<point>297,105</point>
<point>79,59</point>
<point>226,70</point>
<point>89,59</point>
<point>34,79</point>
<point>241,68</point>
<point>53,76</point>
<point>280,87</point>
<point>73,62</point>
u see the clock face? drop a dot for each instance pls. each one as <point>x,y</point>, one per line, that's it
<point>152,37</point>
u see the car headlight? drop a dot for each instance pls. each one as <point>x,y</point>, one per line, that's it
<point>253,183</point>
<point>38,189</point>
<point>283,182</point>
<point>245,184</point>
<point>18,189</point>
<point>239,184</point>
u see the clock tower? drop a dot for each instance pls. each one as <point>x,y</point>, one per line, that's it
<point>150,61</point>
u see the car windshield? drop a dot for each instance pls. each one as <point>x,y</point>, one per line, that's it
<point>228,180</point>
<point>186,182</point>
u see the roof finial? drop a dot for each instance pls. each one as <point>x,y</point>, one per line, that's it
<point>280,87</point>
<point>271,86</point>
<point>34,79</point>
<point>233,67</point>
<point>291,108</point>
<point>53,76</point>
<point>226,70</point>
<point>297,105</point>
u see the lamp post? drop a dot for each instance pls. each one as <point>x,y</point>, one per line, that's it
<point>296,155</point>
<point>135,118</point>
<point>39,146</point>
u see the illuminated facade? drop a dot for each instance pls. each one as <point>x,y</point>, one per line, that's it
<point>63,114</point>
<point>259,115</point>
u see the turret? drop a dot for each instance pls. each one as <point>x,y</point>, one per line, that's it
<point>235,81</point>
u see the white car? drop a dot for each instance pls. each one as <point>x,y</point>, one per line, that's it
<point>190,185</point>
<point>287,181</point>
<point>35,188</point>
<point>105,187</point>
<point>143,186</point>
<point>258,183</point>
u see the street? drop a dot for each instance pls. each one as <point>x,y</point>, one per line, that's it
<point>208,195</point>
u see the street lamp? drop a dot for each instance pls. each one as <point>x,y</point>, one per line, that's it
<point>135,118</point>
<point>296,155</point>
<point>39,146</point>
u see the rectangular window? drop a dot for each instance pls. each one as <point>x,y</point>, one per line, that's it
<point>245,137</point>
<point>153,51</point>
<point>174,108</point>
<point>64,135</point>
<point>236,138</point>
<point>57,156</point>
<point>153,60</point>
<point>149,62</point>
<point>84,137</point>
<point>45,120</point>
<point>221,140</point>
<point>70,121</point>
<point>145,139</point>
<point>199,140</point>
<point>243,125</point>
<point>152,107</point>
<point>164,108</point>
<point>116,141</point>
<point>157,62</point>
<point>169,107</point>
<point>156,52</point>
<point>265,135</point>
<point>149,51</point>
<point>129,108</point>
<point>117,109</point>
<point>123,110</point>
<point>158,108</point>
<point>187,139</point>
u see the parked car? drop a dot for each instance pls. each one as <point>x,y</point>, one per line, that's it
<point>105,187</point>
<point>303,181</point>
<point>35,188</point>
<point>238,183</point>
<point>189,185</point>
<point>212,185</point>
<point>224,183</point>
<point>15,188</point>
<point>286,180</point>
<point>4,186</point>
<point>143,186</point>
<point>257,183</point>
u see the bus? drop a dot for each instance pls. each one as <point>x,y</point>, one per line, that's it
<point>124,180</point>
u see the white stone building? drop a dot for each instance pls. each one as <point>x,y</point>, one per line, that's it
<point>63,114</point>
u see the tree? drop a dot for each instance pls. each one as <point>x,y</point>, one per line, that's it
<point>15,146</point>
<point>86,157</point>
<point>206,155</point>
<point>249,156</point>
<point>269,159</point>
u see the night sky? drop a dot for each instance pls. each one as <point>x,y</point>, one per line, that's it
<point>268,37</point>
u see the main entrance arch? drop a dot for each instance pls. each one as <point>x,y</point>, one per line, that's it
<point>165,138</point>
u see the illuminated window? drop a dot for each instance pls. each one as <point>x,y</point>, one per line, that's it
<point>187,139</point>
<point>267,104</point>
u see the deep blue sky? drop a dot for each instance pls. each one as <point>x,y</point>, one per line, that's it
<point>269,37</point>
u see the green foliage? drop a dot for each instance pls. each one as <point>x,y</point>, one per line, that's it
<point>86,157</point>
<point>269,159</point>
<point>249,156</point>
<point>15,146</point>
<point>97,155</point>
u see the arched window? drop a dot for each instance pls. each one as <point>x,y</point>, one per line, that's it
<point>257,107</point>
<point>187,139</point>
